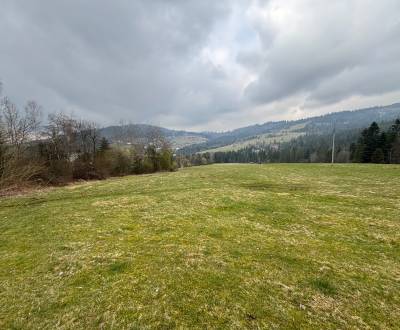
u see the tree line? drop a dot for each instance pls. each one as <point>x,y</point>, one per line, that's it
<point>371,145</point>
<point>378,146</point>
<point>63,148</point>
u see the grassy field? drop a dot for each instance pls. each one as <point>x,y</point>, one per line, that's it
<point>258,141</point>
<point>222,246</point>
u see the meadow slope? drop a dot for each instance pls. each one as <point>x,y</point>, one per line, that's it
<point>222,246</point>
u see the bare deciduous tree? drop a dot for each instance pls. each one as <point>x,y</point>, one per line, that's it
<point>61,134</point>
<point>68,148</point>
<point>89,135</point>
<point>19,127</point>
<point>17,131</point>
<point>156,137</point>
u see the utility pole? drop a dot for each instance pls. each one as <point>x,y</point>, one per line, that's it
<point>333,142</point>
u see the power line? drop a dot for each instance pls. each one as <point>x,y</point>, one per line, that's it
<point>333,142</point>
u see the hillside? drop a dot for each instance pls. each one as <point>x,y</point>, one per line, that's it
<point>255,246</point>
<point>178,139</point>
<point>270,132</point>
<point>282,131</point>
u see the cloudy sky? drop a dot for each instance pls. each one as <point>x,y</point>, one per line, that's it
<point>200,64</point>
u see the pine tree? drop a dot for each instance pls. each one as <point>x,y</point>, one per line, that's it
<point>104,145</point>
<point>396,127</point>
<point>384,144</point>
<point>369,142</point>
<point>395,151</point>
<point>378,156</point>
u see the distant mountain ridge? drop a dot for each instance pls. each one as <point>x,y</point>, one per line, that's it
<point>278,131</point>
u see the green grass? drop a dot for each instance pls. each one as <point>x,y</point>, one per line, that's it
<point>223,246</point>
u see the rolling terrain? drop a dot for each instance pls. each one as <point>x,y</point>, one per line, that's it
<point>267,133</point>
<point>221,246</point>
<point>284,131</point>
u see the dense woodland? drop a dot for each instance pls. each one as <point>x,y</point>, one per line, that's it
<point>378,146</point>
<point>62,149</point>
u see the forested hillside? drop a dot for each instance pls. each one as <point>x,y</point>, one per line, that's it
<point>283,131</point>
<point>373,144</point>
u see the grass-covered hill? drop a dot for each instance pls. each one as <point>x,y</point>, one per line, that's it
<point>222,246</point>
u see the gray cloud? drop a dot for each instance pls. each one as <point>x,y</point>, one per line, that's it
<point>323,48</point>
<point>198,64</point>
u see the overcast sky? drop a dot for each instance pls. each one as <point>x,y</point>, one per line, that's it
<point>200,64</point>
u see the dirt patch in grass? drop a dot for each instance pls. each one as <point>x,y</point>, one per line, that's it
<point>276,187</point>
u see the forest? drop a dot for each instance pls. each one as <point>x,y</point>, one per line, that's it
<point>371,145</point>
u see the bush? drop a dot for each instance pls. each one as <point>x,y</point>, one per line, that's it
<point>120,163</point>
<point>103,164</point>
<point>57,172</point>
<point>84,169</point>
<point>166,160</point>
<point>148,166</point>
<point>15,171</point>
